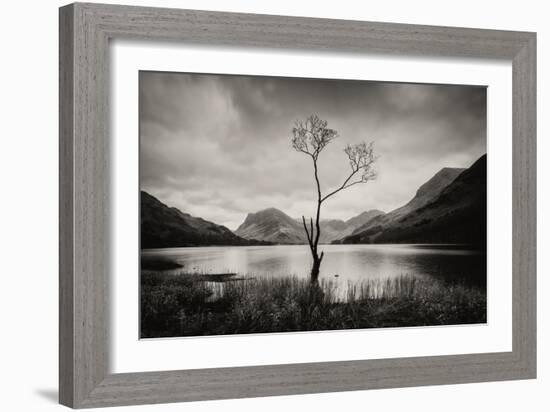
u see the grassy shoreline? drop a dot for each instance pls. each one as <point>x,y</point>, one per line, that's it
<point>184,305</point>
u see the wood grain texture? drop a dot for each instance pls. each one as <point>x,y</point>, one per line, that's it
<point>85,31</point>
<point>524,223</point>
<point>84,168</point>
<point>66,229</point>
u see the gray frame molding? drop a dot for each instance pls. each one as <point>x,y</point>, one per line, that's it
<point>85,31</point>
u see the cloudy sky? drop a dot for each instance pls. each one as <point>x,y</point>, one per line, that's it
<point>218,146</point>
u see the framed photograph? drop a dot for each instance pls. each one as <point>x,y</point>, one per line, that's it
<point>256,205</point>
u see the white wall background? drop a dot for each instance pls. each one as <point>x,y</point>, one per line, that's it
<point>28,206</point>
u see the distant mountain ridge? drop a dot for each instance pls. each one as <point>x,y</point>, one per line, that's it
<point>275,226</point>
<point>363,218</point>
<point>425,193</point>
<point>336,229</point>
<point>163,227</point>
<point>453,212</point>
<point>449,208</point>
<point>272,225</point>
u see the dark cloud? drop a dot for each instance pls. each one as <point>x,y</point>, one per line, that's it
<point>219,146</point>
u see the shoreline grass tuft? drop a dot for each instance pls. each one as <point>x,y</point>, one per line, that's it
<point>181,305</point>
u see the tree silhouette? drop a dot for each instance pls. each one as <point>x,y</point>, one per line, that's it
<point>311,137</point>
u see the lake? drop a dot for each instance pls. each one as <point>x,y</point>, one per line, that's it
<point>342,263</point>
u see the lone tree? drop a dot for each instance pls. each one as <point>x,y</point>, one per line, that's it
<point>311,137</point>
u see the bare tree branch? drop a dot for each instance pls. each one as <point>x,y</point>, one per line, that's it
<point>361,159</point>
<point>311,137</point>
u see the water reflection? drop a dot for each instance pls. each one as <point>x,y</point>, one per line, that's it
<point>342,263</point>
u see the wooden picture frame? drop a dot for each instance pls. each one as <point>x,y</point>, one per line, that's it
<point>85,31</point>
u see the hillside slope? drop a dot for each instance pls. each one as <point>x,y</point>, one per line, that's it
<point>456,215</point>
<point>275,226</point>
<point>163,226</point>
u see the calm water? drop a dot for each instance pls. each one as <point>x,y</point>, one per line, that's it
<point>342,263</point>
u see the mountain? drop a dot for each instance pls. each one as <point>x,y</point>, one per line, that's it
<point>439,213</point>
<point>331,229</point>
<point>361,219</point>
<point>429,190</point>
<point>164,226</point>
<point>275,226</point>
<point>425,194</point>
<point>336,229</point>
<point>272,225</point>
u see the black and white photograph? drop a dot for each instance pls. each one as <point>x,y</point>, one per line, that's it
<point>277,204</point>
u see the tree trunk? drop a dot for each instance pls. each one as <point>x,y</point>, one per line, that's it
<point>315,268</point>
<point>314,236</point>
